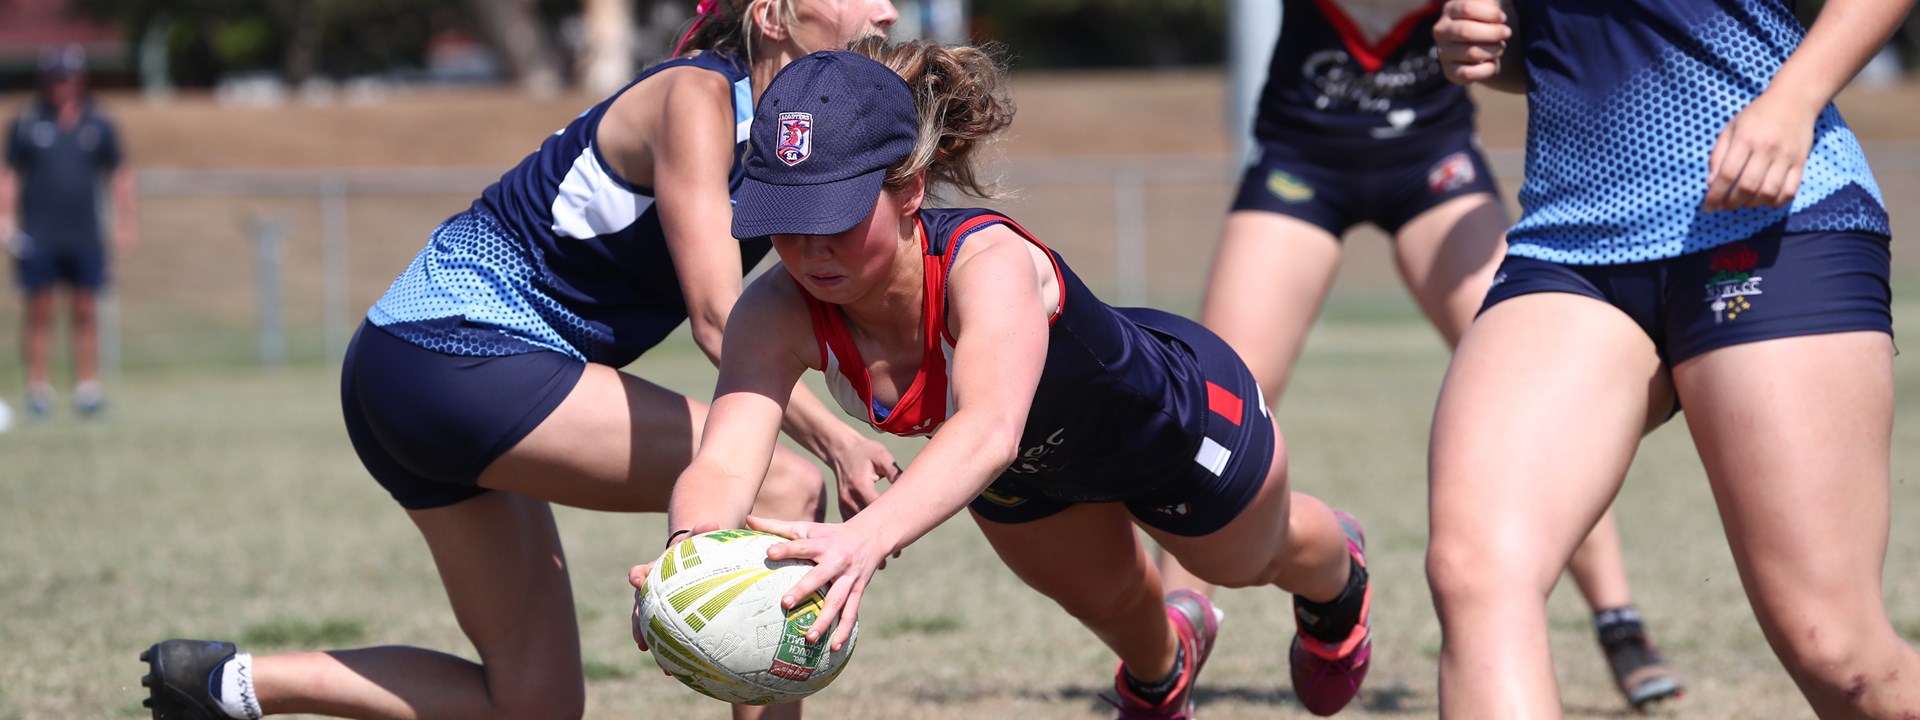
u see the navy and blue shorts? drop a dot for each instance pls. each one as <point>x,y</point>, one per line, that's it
<point>426,423</point>
<point>1388,186</point>
<point>1763,288</point>
<point>1230,460</point>
<point>42,265</point>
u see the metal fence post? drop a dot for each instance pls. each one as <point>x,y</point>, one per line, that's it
<point>269,249</point>
<point>1130,236</point>
<point>333,261</point>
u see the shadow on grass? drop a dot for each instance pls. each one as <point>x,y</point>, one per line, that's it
<point>1376,700</point>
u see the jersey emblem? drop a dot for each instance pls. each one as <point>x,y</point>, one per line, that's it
<point>796,137</point>
<point>1451,173</point>
<point>1733,280</point>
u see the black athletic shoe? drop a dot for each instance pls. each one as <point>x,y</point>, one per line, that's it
<point>180,684</point>
<point>1638,670</point>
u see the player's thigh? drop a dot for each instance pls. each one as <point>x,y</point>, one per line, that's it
<point>1270,277</point>
<point>1084,556</point>
<point>1538,417</point>
<point>1795,436</point>
<point>616,442</point>
<point>1252,547</point>
<point>500,561</point>
<point>1447,256</point>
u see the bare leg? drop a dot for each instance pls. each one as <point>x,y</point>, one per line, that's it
<point>1088,559</point>
<point>1800,470</point>
<point>36,341</point>
<point>1283,538</point>
<point>1599,569</point>
<point>1448,255</point>
<point>499,557</point>
<point>1517,482</point>
<point>615,443</point>
<point>86,337</point>
<point>622,440</point>
<point>1269,279</point>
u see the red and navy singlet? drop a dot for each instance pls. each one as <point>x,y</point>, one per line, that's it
<point>1125,403</point>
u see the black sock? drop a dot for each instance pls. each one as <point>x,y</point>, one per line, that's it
<point>1333,621</point>
<point>1156,692</point>
<point>1618,624</point>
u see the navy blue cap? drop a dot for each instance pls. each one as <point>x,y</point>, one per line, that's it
<point>824,133</point>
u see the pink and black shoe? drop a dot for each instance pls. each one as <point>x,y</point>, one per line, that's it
<point>1327,675</point>
<point>1195,623</point>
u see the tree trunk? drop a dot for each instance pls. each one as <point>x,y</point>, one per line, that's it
<point>606,63</point>
<point>515,32</point>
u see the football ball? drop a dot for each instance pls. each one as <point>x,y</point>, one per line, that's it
<point>711,616</point>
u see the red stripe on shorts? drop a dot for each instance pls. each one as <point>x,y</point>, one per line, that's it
<point>1227,404</point>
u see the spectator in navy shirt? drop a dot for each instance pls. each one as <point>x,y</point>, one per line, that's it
<point>59,150</point>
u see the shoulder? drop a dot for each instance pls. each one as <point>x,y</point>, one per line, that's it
<point>773,312</point>
<point>692,79</point>
<point>989,256</point>
<point>679,91</point>
<point>773,296</point>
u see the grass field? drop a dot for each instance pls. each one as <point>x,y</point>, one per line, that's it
<point>220,499</point>
<point>226,503</point>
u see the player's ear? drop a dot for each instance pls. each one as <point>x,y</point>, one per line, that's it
<point>767,20</point>
<point>913,194</point>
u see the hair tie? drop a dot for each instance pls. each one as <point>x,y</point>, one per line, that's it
<point>700,12</point>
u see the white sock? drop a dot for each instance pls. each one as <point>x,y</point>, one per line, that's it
<point>236,688</point>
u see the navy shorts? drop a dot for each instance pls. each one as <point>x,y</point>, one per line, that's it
<point>1336,193</point>
<point>42,265</point>
<point>426,424</point>
<point>1763,288</point>
<point>1229,464</point>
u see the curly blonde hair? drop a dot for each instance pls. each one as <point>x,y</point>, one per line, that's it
<point>960,93</point>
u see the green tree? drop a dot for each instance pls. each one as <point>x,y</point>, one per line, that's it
<point>1105,33</point>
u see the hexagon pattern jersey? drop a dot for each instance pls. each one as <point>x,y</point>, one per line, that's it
<point>561,254</point>
<point>1626,99</point>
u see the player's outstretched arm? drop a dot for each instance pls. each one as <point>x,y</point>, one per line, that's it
<point>694,150</point>
<point>757,375</point>
<point>999,321</point>
<point>1759,156</point>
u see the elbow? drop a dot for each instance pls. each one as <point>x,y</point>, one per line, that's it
<point>709,333</point>
<point>1002,447</point>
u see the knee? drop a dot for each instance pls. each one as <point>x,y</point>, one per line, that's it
<point>1830,651</point>
<point>1462,572</point>
<point>794,489</point>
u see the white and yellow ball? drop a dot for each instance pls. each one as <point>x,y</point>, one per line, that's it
<point>711,616</point>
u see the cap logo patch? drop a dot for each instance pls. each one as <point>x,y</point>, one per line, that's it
<point>796,137</point>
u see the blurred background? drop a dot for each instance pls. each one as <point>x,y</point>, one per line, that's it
<point>292,156</point>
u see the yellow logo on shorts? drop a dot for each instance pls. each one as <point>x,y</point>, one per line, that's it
<point>1288,188</point>
<point>1003,499</point>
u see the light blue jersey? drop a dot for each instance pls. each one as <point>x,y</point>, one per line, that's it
<point>1626,99</point>
<point>561,254</point>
